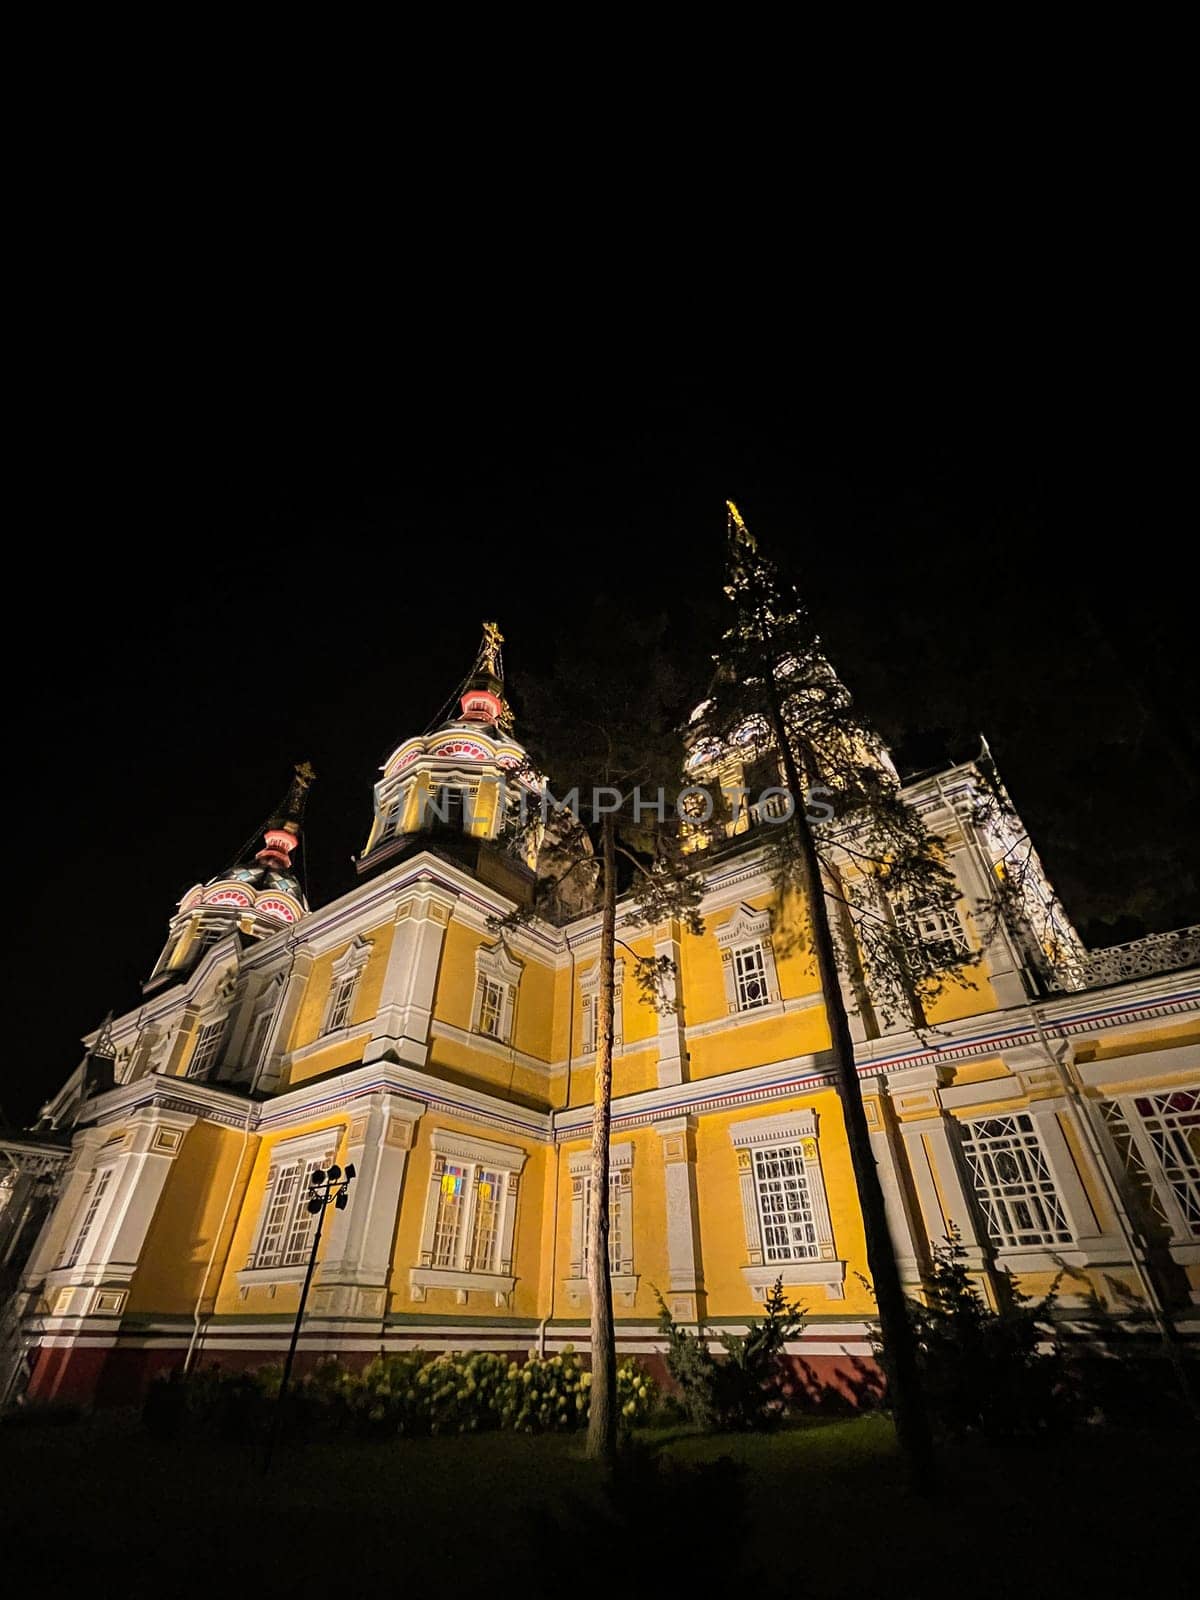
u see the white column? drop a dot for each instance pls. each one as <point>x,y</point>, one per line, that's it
<point>910,1249</point>
<point>99,1280</point>
<point>933,1161</point>
<point>672,1042</point>
<point>358,1257</point>
<point>67,1211</point>
<point>1002,961</point>
<point>685,1271</point>
<point>153,1141</point>
<point>401,1031</point>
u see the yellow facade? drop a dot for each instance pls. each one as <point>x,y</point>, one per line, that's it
<point>453,1065</point>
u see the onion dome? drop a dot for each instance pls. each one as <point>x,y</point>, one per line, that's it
<point>267,884</point>
<point>255,897</point>
<point>459,776</point>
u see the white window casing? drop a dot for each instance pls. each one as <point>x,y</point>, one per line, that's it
<point>933,934</point>
<point>284,1231</point>
<point>620,1224</point>
<point>589,990</point>
<point>1157,1136</point>
<point>93,1203</point>
<point>497,979</point>
<point>1014,1185</point>
<point>789,1232</point>
<point>470,1217</point>
<point>344,979</point>
<point>748,960</point>
<point>207,1048</point>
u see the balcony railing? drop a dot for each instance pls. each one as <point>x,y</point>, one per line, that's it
<point>1140,958</point>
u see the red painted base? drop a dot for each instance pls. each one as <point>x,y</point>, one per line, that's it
<point>120,1376</point>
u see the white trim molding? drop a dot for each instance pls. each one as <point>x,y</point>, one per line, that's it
<point>493,1015</point>
<point>589,992</point>
<point>620,1178</point>
<point>748,961</point>
<point>470,1211</point>
<point>766,1148</point>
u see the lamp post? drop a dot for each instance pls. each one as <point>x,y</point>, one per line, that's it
<point>326,1186</point>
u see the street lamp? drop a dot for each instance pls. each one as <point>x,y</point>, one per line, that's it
<point>326,1186</point>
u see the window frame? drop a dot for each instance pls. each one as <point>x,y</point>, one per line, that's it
<point>796,1131</point>
<point>946,931</point>
<point>1140,1148</point>
<point>344,978</point>
<point>589,1008</point>
<point>746,930</point>
<point>495,966</point>
<point>305,1154</point>
<point>93,1208</point>
<point>996,1194</point>
<point>622,1270</point>
<point>743,975</point>
<point>479,1160</point>
<point>209,1036</point>
<point>775,1220</point>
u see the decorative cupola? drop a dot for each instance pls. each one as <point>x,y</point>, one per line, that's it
<point>456,780</point>
<point>483,699</point>
<point>257,896</point>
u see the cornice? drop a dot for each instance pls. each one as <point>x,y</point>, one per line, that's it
<point>492,1047</point>
<point>335,1093</point>
<point>162,1092</point>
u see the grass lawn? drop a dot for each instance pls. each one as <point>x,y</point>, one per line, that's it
<point>99,1505</point>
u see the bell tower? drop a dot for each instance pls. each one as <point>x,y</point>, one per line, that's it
<point>457,779</point>
<point>257,896</point>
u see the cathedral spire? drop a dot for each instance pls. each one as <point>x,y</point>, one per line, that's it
<point>282,833</point>
<point>255,897</point>
<point>483,698</point>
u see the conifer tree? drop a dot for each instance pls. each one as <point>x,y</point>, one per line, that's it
<point>774,690</point>
<point>604,726</point>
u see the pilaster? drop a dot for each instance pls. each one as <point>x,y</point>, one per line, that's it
<point>933,1161</point>
<point>907,1236</point>
<point>1001,959</point>
<point>99,1280</point>
<point>401,1031</point>
<point>52,1239</point>
<point>685,1270</point>
<point>672,1042</point>
<point>358,1256</point>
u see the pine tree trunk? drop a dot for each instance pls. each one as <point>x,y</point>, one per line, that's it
<point>602,1415</point>
<point>907,1400</point>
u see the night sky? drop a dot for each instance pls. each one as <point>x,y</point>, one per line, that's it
<point>212,621</point>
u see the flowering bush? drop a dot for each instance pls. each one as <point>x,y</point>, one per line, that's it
<point>547,1394</point>
<point>636,1392</point>
<point>409,1394</point>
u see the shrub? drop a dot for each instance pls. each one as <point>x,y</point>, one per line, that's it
<point>407,1394</point>
<point>999,1373</point>
<point>744,1389</point>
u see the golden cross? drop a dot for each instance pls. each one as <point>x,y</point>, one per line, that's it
<point>490,650</point>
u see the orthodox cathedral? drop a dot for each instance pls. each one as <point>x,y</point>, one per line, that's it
<point>158,1216</point>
